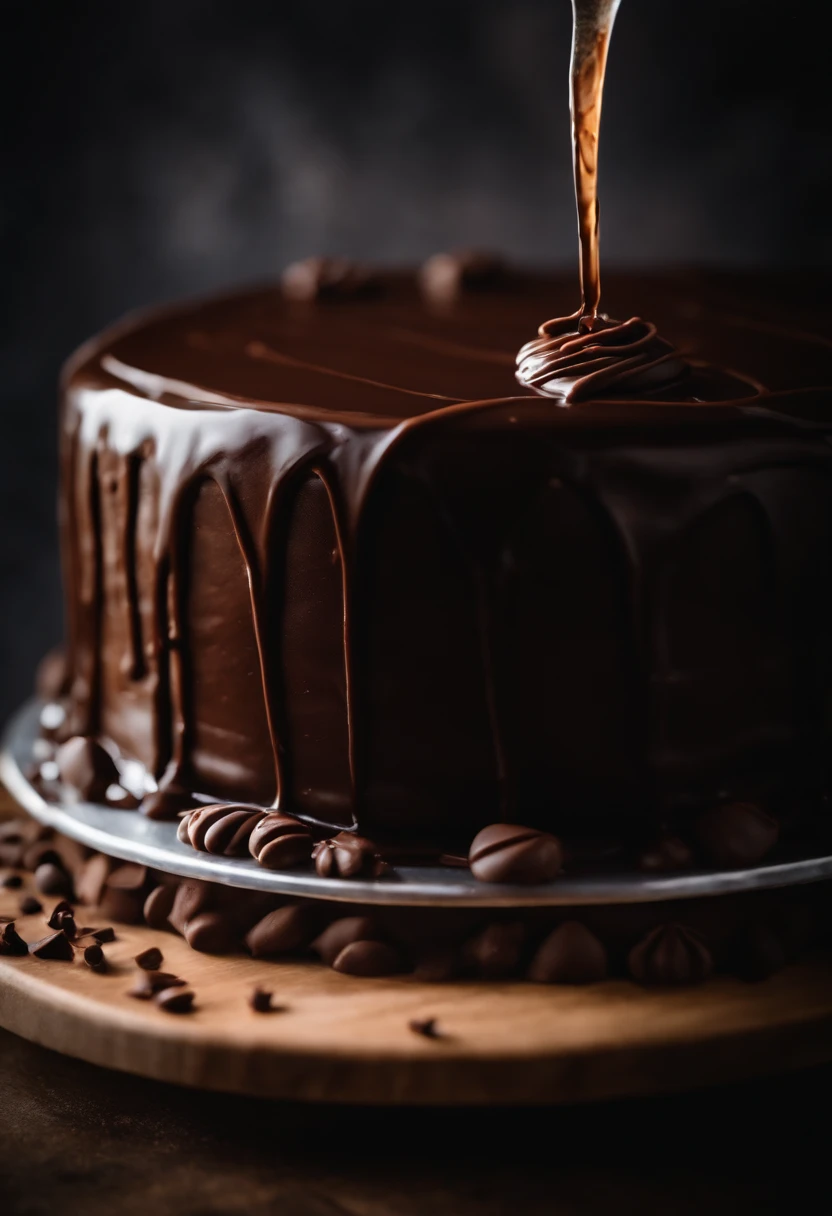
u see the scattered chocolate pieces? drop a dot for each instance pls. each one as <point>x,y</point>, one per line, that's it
<point>280,841</point>
<point>665,855</point>
<point>282,931</point>
<point>224,828</point>
<point>149,959</point>
<point>29,906</point>
<point>368,959</point>
<point>737,834</point>
<point>670,955</point>
<point>571,954</point>
<point>426,1027</point>
<point>505,852</point>
<point>94,957</point>
<point>12,882</point>
<point>261,1001</point>
<point>175,1000</point>
<point>11,943</point>
<point>52,879</point>
<point>56,946</point>
<point>322,278</point>
<point>84,765</point>
<point>148,983</point>
<point>347,856</point>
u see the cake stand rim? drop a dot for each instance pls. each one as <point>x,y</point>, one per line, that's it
<point>131,837</point>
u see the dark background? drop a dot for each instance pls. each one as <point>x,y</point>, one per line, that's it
<point>162,147</point>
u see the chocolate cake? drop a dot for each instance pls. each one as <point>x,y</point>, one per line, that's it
<point>323,552</point>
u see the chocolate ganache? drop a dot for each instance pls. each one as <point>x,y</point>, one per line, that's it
<point>320,555</point>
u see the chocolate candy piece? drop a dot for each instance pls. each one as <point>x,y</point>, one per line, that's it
<point>346,856</point>
<point>329,944</point>
<point>158,906</point>
<point>282,931</point>
<point>29,906</point>
<point>666,855</point>
<point>368,959</point>
<point>148,983</point>
<point>323,278</point>
<point>506,852</point>
<point>210,933</point>
<point>496,951</point>
<point>571,954</point>
<point>84,765</point>
<point>12,882</point>
<point>11,943</point>
<point>55,946</point>
<point>280,841</point>
<point>174,1000</point>
<point>670,955</point>
<point>51,879</point>
<point>60,910</point>
<point>94,957</point>
<point>737,834</point>
<point>446,276</point>
<point>224,828</point>
<point>149,959</point>
<point>426,1027</point>
<point>104,935</point>
<point>261,1001</point>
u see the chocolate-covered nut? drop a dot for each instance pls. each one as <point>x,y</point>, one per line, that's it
<point>56,946</point>
<point>368,959</point>
<point>89,885</point>
<point>496,952</point>
<point>665,855</point>
<point>11,882</point>
<point>571,954</point>
<point>210,933</point>
<point>280,841</point>
<point>158,906</point>
<point>150,959</point>
<point>327,278</point>
<point>670,955</point>
<point>737,834</point>
<point>346,856</point>
<point>29,906</point>
<point>84,765</point>
<point>51,879</point>
<point>51,676</point>
<point>329,944</point>
<point>11,943</point>
<point>282,931</point>
<point>447,276</point>
<point>224,828</point>
<point>175,1000</point>
<point>190,899</point>
<point>506,852</point>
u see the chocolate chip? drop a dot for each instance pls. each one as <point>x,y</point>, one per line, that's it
<point>94,957</point>
<point>148,983</point>
<point>506,852</point>
<point>211,933</point>
<point>737,834</point>
<point>342,932</point>
<point>670,955</point>
<point>426,1027</point>
<point>12,882</point>
<point>223,829</point>
<point>84,765</point>
<point>158,906</point>
<point>149,959</point>
<point>571,954</point>
<point>56,946</point>
<point>282,931</point>
<point>496,951</point>
<point>327,278</point>
<point>104,935</point>
<point>29,906</point>
<point>261,1001</point>
<point>66,924</point>
<point>64,908</point>
<point>51,879</point>
<point>174,1000</point>
<point>280,842</point>
<point>368,959</point>
<point>665,855</point>
<point>11,943</point>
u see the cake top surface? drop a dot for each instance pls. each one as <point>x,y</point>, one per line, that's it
<point>381,356</point>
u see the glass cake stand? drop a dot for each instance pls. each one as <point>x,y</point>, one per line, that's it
<point>131,837</point>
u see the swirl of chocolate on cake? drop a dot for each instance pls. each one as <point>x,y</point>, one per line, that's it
<point>575,361</point>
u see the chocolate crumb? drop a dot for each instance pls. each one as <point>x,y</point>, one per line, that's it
<point>149,983</point>
<point>12,882</point>
<point>173,1001</point>
<point>55,946</point>
<point>11,943</point>
<point>261,1001</point>
<point>29,906</point>
<point>94,957</point>
<point>426,1027</point>
<point>150,959</point>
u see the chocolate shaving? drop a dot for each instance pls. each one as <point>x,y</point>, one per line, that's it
<point>148,983</point>
<point>175,1001</point>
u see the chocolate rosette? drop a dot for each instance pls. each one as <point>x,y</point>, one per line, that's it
<point>575,364</point>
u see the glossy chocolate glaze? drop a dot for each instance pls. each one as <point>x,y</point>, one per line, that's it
<point>321,555</point>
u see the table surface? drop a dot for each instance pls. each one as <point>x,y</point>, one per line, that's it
<point>75,1139</point>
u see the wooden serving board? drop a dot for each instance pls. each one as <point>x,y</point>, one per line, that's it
<point>347,1040</point>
